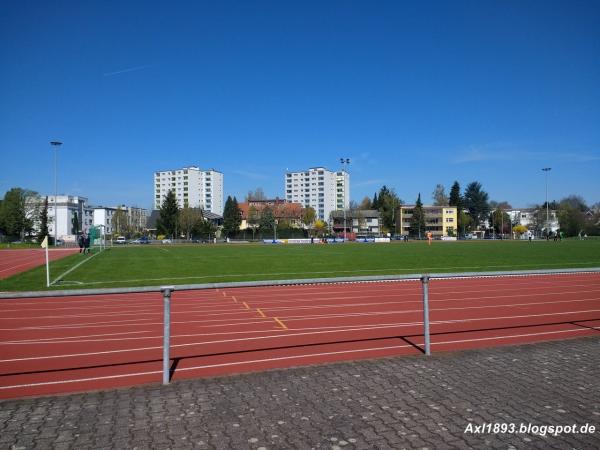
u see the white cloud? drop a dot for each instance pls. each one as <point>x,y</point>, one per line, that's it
<point>510,152</point>
<point>131,69</point>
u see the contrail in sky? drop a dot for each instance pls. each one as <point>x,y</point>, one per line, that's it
<point>131,69</point>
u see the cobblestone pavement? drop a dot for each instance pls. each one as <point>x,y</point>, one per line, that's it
<point>408,402</point>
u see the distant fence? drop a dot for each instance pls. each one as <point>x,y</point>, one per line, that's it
<point>167,292</point>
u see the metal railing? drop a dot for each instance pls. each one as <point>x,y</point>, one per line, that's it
<point>167,292</point>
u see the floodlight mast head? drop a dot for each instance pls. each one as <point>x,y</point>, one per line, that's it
<point>55,143</point>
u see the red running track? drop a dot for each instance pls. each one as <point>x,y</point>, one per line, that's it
<point>58,345</point>
<point>20,260</point>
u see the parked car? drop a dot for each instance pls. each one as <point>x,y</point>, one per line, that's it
<point>121,240</point>
<point>167,241</point>
<point>142,240</point>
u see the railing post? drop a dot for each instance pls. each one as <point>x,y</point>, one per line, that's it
<point>166,291</point>
<point>425,283</point>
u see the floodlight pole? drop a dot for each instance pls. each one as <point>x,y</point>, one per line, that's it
<point>546,170</point>
<point>55,145</point>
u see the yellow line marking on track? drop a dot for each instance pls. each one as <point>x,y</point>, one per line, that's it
<point>280,323</point>
<point>260,312</point>
<point>246,305</point>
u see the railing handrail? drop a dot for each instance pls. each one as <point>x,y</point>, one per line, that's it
<point>291,282</point>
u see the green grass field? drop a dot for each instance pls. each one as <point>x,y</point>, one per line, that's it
<point>170,264</point>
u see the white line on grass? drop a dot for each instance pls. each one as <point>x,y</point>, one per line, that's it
<point>60,277</point>
<point>333,272</point>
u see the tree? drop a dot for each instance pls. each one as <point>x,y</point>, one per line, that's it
<point>476,201</point>
<point>365,203</point>
<point>439,196</point>
<point>386,203</point>
<point>571,216</point>
<point>519,230</point>
<point>43,218</point>
<point>17,212</point>
<point>267,220</point>
<point>253,219</point>
<point>189,220</point>
<point>455,199</point>
<point>417,221</point>
<point>308,217</point>
<point>320,227</point>
<point>257,194</point>
<point>119,222</point>
<point>204,229</point>
<point>168,215</point>
<point>232,218</point>
<point>375,202</point>
<point>500,221</point>
<point>502,205</point>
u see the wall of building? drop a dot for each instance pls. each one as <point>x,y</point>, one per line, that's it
<point>318,188</point>
<point>192,187</point>
<point>438,219</point>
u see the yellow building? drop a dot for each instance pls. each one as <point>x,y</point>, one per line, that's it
<point>440,220</point>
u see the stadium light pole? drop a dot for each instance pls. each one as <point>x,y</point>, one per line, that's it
<point>546,170</point>
<point>345,162</point>
<point>55,145</point>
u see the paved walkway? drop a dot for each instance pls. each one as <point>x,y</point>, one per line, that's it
<point>409,402</point>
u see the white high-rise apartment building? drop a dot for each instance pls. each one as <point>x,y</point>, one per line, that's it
<point>319,188</point>
<point>192,187</point>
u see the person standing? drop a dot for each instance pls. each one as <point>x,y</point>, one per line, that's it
<point>80,242</point>
<point>86,243</point>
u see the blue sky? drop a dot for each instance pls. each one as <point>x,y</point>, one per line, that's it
<point>415,94</point>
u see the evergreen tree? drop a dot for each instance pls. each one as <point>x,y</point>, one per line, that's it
<point>232,218</point>
<point>455,198</point>
<point>386,202</point>
<point>476,201</point>
<point>168,215</point>
<point>43,221</point>
<point>417,221</point>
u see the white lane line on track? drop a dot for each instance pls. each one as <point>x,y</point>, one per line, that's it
<point>213,312</point>
<point>191,296</point>
<point>351,305</point>
<point>229,311</point>
<point>243,321</point>
<point>73,339</point>
<point>284,358</point>
<point>366,327</point>
<point>287,334</point>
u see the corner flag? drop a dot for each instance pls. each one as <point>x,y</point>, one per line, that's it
<point>45,245</point>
